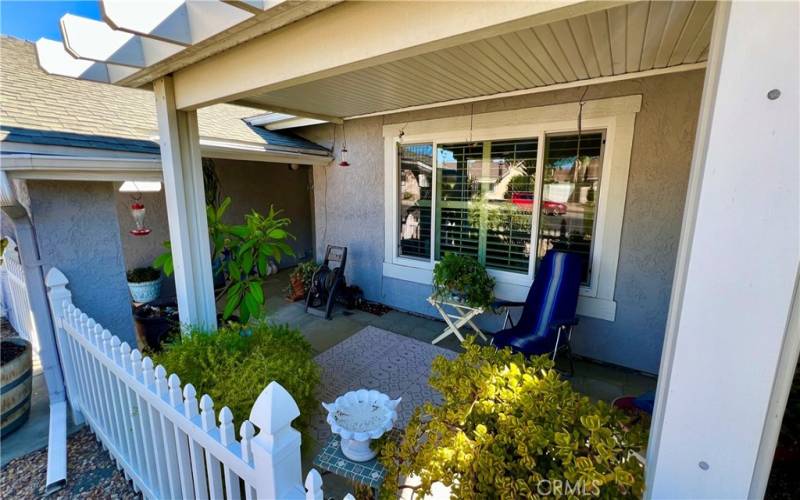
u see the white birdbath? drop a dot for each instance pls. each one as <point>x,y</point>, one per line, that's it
<point>359,417</point>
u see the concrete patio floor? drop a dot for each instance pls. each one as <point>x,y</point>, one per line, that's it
<point>596,380</point>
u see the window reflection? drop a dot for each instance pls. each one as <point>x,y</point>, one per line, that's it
<point>570,189</point>
<point>416,177</point>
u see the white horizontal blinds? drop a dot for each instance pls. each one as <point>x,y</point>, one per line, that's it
<point>484,201</point>
<point>459,169</point>
<point>509,203</point>
<point>570,191</point>
<point>415,163</point>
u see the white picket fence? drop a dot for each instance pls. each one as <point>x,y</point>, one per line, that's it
<point>165,440</point>
<point>16,295</point>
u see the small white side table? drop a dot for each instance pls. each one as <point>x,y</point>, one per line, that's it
<point>463,315</point>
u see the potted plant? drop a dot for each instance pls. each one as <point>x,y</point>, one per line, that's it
<point>144,284</point>
<point>15,371</point>
<point>461,278</point>
<point>300,280</point>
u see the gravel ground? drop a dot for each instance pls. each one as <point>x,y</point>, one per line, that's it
<point>91,473</point>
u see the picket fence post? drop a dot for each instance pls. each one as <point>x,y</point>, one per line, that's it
<point>58,295</point>
<point>276,447</point>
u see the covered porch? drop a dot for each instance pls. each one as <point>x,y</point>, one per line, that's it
<point>660,85</point>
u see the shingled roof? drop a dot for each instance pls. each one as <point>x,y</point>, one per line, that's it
<point>38,108</point>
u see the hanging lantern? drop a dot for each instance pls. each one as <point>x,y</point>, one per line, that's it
<point>138,212</point>
<point>344,162</point>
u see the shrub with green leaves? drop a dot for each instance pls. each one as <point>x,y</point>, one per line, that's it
<point>244,251</point>
<point>236,363</point>
<point>506,423</point>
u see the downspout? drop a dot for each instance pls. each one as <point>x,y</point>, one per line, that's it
<point>48,352</point>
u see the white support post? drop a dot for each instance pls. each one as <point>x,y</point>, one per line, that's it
<point>276,448</point>
<point>58,295</point>
<point>186,208</point>
<point>737,264</point>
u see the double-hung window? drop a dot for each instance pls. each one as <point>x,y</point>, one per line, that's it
<point>506,194</point>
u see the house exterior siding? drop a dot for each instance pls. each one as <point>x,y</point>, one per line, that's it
<point>349,210</point>
<point>251,185</point>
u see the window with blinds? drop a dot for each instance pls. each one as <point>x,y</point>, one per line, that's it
<point>571,185</point>
<point>416,181</point>
<point>485,197</point>
<point>484,201</point>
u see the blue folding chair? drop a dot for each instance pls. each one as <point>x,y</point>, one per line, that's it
<point>548,313</point>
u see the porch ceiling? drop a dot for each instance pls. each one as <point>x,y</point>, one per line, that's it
<point>622,40</point>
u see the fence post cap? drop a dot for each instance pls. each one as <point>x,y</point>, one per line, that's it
<point>313,481</point>
<point>274,409</point>
<point>55,278</point>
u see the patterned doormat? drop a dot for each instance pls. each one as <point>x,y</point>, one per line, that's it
<point>376,359</point>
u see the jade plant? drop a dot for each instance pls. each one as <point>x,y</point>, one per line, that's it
<point>463,278</point>
<point>510,427</point>
<point>244,251</point>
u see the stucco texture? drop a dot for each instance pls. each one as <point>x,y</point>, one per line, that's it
<point>251,186</point>
<point>349,209</point>
<point>77,231</point>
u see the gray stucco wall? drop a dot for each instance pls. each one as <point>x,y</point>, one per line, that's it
<point>349,205</point>
<point>251,186</point>
<point>77,231</point>
<point>257,185</point>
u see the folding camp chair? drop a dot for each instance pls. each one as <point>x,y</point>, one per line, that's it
<point>548,313</point>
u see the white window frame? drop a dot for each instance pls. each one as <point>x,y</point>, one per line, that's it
<point>614,115</point>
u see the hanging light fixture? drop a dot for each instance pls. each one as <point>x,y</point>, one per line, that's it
<point>344,162</point>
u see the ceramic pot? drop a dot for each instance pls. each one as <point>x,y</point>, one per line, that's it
<point>145,291</point>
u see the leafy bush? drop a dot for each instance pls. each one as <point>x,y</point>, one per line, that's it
<point>143,274</point>
<point>244,250</point>
<point>506,423</point>
<point>463,277</point>
<point>235,364</point>
<point>305,271</point>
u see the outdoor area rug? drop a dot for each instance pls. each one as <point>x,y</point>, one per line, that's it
<point>376,359</point>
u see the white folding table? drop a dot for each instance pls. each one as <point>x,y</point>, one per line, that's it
<point>462,315</point>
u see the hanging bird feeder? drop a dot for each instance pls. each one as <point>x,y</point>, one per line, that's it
<point>344,162</point>
<point>138,212</point>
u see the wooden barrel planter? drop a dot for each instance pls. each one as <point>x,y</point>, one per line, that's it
<point>16,378</point>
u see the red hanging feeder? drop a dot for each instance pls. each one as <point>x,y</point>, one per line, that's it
<point>138,212</point>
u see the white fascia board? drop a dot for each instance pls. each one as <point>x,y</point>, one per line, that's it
<point>376,33</point>
<point>267,118</point>
<point>213,148</point>
<point>54,59</point>
<point>97,41</point>
<point>87,168</point>
<point>176,21</point>
<point>295,122</point>
<point>254,6</point>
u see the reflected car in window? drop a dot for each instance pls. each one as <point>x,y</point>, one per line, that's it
<point>525,202</point>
